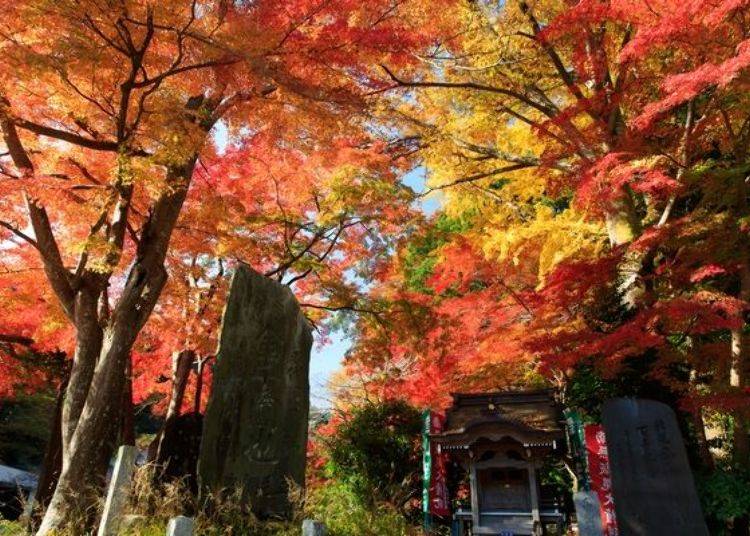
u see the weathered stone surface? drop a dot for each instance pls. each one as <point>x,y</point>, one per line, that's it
<point>255,428</point>
<point>588,514</point>
<point>652,483</point>
<point>311,527</point>
<point>180,526</point>
<point>117,495</point>
<point>180,447</point>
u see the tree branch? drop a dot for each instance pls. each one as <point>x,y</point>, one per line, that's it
<point>75,139</point>
<point>479,176</point>
<point>16,231</point>
<point>45,241</point>
<point>16,339</point>
<point>472,85</point>
<point>552,53</point>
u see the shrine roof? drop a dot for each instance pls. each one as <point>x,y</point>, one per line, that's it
<point>531,417</point>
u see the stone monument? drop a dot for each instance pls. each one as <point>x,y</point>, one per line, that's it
<point>180,526</point>
<point>255,427</point>
<point>652,484</point>
<point>588,514</point>
<point>310,527</point>
<point>117,494</point>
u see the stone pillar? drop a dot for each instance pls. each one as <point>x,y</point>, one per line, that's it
<point>180,526</point>
<point>117,494</point>
<point>588,513</point>
<point>255,428</point>
<point>313,528</point>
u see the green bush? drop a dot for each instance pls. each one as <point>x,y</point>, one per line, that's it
<point>339,506</point>
<point>377,453</point>
<point>146,527</point>
<point>725,495</point>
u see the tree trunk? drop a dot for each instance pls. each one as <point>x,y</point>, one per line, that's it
<point>52,463</point>
<point>183,363</point>
<point>127,428</point>
<point>88,347</point>
<point>699,426</point>
<point>181,366</point>
<point>623,226</point>
<point>99,418</point>
<point>738,380</point>
<point>622,221</point>
<point>199,384</point>
<point>738,375</point>
<point>90,439</point>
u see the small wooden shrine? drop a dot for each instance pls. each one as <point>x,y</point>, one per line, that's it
<point>498,442</point>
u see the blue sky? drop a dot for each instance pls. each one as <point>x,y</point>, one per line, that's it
<point>326,360</point>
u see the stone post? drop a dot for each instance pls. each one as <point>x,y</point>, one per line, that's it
<point>313,528</point>
<point>180,526</point>
<point>588,513</point>
<point>118,490</point>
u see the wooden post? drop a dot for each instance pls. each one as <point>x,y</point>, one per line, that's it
<point>536,519</point>
<point>474,494</point>
<point>118,490</point>
<point>180,526</point>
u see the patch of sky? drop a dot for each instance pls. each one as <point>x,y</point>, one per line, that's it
<point>325,361</point>
<point>221,137</point>
<point>428,202</point>
<point>328,357</point>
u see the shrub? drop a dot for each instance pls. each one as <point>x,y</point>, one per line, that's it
<point>377,453</point>
<point>24,429</point>
<point>344,513</point>
<point>223,514</point>
<point>725,495</point>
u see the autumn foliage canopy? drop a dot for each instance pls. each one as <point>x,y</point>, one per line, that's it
<point>591,161</point>
<point>588,161</point>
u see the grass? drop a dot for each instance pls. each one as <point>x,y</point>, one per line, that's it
<point>150,506</point>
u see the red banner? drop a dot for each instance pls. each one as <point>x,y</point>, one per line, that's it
<point>601,480</point>
<point>439,502</point>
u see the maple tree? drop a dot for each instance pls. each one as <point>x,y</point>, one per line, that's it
<point>307,221</point>
<point>109,115</point>
<point>590,159</point>
<point>595,156</point>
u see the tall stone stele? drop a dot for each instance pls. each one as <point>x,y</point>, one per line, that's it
<point>255,427</point>
<point>652,483</point>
